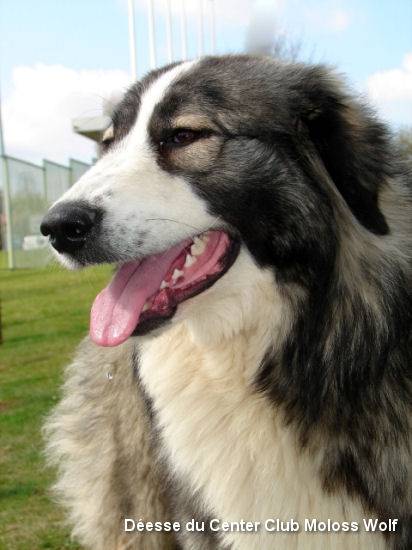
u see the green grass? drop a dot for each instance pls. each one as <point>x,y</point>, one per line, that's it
<point>3,259</point>
<point>45,313</point>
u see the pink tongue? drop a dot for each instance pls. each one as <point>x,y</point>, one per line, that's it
<point>116,310</point>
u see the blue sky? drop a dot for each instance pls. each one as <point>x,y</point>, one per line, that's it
<point>63,50</point>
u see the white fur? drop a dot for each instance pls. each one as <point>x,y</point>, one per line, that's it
<point>223,438</point>
<point>141,201</point>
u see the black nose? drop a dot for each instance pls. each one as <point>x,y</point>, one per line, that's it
<point>68,225</point>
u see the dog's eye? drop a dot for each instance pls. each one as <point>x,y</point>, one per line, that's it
<point>182,137</point>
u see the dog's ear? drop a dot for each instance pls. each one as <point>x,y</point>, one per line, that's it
<point>351,143</point>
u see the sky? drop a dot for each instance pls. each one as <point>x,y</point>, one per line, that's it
<point>60,59</point>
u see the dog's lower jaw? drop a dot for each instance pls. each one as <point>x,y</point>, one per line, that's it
<point>213,424</point>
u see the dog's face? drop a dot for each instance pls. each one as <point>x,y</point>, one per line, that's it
<point>203,159</point>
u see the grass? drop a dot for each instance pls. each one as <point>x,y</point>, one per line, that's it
<point>3,259</point>
<point>44,315</point>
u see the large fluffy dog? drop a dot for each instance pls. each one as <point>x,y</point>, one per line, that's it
<point>259,321</point>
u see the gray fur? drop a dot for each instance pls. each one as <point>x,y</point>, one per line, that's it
<point>99,438</point>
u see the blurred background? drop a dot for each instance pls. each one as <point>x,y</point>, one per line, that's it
<point>63,64</point>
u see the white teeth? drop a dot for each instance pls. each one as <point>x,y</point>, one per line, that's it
<point>146,306</point>
<point>198,246</point>
<point>176,274</point>
<point>190,260</point>
<point>164,285</point>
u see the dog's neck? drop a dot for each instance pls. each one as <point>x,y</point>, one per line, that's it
<point>200,374</point>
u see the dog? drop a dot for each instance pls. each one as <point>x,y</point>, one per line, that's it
<point>249,364</point>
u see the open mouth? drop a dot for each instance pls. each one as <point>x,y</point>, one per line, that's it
<point>143,294</point>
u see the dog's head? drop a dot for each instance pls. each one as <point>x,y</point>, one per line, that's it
<point>207,158</point>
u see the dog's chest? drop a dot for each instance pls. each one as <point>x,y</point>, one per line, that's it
<point>228,444</point>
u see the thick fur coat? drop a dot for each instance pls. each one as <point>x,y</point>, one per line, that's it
<point>285,389</point>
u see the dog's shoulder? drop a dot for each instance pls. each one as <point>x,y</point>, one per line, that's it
<point>99,438</point>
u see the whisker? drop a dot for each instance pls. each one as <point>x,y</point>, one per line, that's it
<point>170,220</point>
<point>214,222</point>
<point>200,230</point>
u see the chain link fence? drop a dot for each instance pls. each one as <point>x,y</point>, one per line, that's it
<point>27,192</point>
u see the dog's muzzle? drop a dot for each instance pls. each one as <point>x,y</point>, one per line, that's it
<point>68,226</point>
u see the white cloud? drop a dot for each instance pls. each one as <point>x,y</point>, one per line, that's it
<point>38,112</point>
<point>391,92</point>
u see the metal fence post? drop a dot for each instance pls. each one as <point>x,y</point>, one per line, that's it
<point>7,211</point>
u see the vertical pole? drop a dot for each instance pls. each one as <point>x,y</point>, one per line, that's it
<point>2,149</point>
<point>183,35</point>
<point>7,211</point>
<point>169,34</point>
<point>200,29</point>
<point>152,37</point>
<point>132,40</point>
<point>213,26</point>
<point>4,175</point>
